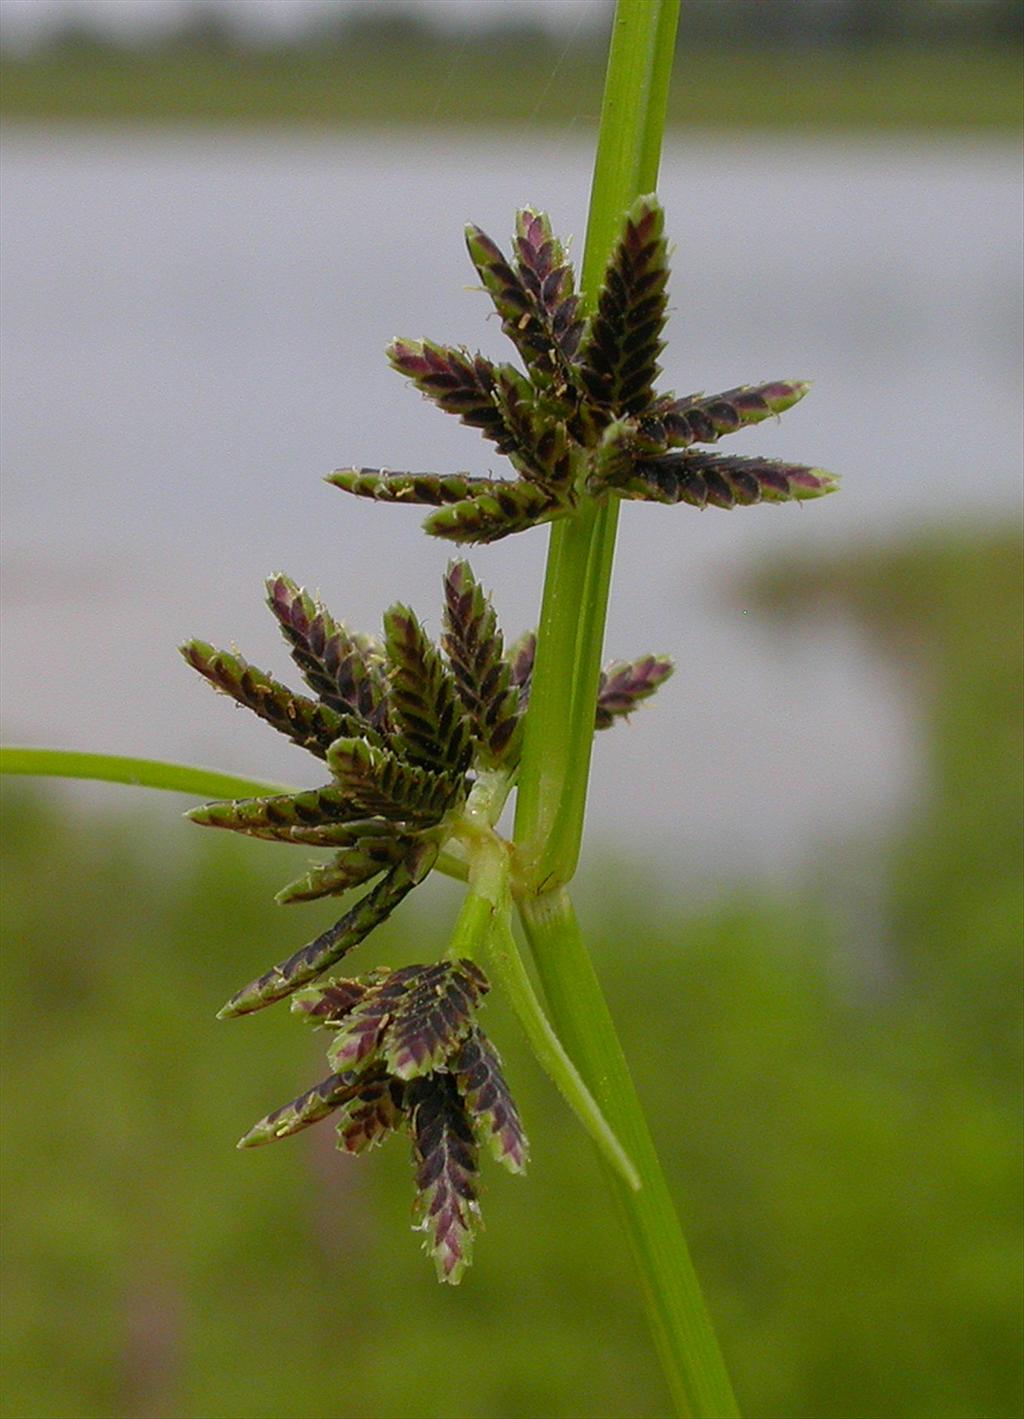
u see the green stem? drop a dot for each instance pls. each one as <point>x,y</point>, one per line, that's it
<point>485,920</point>
<point>559,730</point>
<point>682,1330</point>
<point>556,757</point>
<point>551,1055</point>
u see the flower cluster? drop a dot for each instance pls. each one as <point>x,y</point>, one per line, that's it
<point>584,420</point>
<point>405,1052</point>
<point>405,731</point>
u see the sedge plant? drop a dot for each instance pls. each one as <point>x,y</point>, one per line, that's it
<point>421,746</point>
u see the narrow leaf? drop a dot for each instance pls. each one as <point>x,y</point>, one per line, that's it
<point>122,768</point>
<point>445,1155</point>
<point>473,642</point>
<point>489,1104</point>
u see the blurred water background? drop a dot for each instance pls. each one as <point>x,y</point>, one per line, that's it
<point>802,874</point>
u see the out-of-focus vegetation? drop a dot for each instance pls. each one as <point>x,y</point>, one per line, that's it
<point>801,64</point>
<point>833,1079</point>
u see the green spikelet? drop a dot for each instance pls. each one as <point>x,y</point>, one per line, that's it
<point>538,446</point>
<point>432,728</point>
<point>473,643</point>
<point>383,786</point>
<point>619,354</point>
<point>306,722</point>
<point>336,941</point>
<point>347,870</point>
<point>279,814</point>
<point>424,489</point>
<point>495,511</point>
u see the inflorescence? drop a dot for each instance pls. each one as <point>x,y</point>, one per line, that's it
<point>422,742</point>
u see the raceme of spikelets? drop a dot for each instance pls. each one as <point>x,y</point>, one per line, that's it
<point>405,729</point>
<point>584,421</point>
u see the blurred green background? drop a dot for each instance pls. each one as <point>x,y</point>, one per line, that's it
<point>843,1137</point>
<point>832,1065</point>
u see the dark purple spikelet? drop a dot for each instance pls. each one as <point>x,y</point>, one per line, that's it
<point>548,277</point>
<point>619,356</point>
<point>456,381</point>
<point>473,642</point>
<point>307,1109</point>
<point>521,658</point>
<point>326,1006</point>
<point>489,1105</point>
<point>445,1155</point>
<point>706,418</point>
<point>625,683</point>
<point>372,1115</point>
<point>308,723</point>
<point>584,421</point>
<point>525,318</point>
<point>433,1015</point>
<point>359,1034</point>
<point>334,943</point>
<point>345,670</point>
<point>717,480</point>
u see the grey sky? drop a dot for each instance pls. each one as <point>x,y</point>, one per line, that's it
<point>27,20</point>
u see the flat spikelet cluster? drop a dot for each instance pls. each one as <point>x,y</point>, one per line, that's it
<point>582,420</point>
<point>405,729</point>
<point>406,1054</point>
